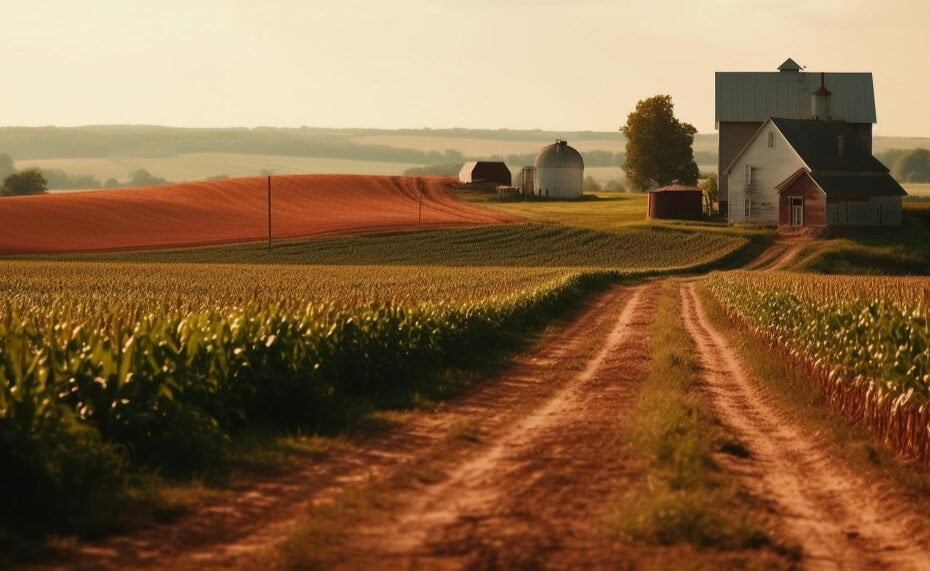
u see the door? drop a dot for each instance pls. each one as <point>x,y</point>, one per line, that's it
<point>797,211</point>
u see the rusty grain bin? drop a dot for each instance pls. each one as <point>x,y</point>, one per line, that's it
<point>675,202</point>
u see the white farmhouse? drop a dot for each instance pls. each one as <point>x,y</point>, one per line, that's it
<point>811,173</point>
<point>744,100</point>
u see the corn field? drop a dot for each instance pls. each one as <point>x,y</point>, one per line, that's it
<point>866,340</point>
<point>108,368</point>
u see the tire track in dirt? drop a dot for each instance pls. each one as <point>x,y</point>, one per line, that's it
<point>245,529</point>
<point>778,256</point>
<point>535,497</point>
<point>841,520</point>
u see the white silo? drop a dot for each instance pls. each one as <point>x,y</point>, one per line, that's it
<point>559,172</point>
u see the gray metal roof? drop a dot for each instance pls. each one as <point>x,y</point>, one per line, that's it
<point>756,96</point>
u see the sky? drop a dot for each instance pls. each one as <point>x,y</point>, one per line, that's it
<point>518,64</point>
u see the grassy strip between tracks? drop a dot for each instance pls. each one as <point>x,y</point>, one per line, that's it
<point>686,497</point>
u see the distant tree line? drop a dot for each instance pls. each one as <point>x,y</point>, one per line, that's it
<point>907,165</point>
<point>37,181</point>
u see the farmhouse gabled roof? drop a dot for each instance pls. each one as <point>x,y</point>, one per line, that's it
<point>817,143</point>
<point>858,185</point>
<point>852,172</point>
<point>755,96</point>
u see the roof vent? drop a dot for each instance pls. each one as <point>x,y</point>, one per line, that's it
<point>821,107</point>
<point>790,66</point>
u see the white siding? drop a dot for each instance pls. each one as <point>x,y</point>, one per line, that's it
<point>770,166</point>
<point>559,182</point>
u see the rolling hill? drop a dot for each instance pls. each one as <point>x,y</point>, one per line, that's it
<point>232,210</point>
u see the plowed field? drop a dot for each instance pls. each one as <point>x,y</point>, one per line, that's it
<point>232,210</point>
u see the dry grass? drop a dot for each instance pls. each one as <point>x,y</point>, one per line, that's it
<point>685,498</point>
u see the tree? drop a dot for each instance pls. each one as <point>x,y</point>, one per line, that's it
<point>111,183</point>
<point>590,184</point>
<point>614,186</point>
<point>711,189</point>
<point>7,167</point>
<point>913,166</point>
<point>143,177</point>
<point>25,182</point>
<point>659,147</point>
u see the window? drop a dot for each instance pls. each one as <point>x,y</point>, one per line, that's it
<point>748,208</point>
<point>748,175</point>
<point>771,139</point>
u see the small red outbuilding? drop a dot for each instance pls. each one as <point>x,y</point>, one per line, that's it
<point>675,201</point>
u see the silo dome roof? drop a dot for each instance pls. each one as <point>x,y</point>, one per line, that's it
<point>559,156</point>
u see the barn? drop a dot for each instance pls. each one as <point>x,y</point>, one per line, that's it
<point>812,173</point>
<point>675,201</point>
<point>559,172</point>
<point>745,100</point>
<point>485,172</point>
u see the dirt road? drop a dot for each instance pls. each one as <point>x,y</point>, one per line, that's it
<point>779,256</point>
<point>529,483</point>
<point>519,472</point>
<point>841,520</point>
<point>533,497</point>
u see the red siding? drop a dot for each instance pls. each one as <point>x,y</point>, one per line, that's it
<point>676,204</point>
<point>815,203</point>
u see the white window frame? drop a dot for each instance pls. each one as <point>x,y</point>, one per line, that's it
<point>748,175</point>
<point>747,207</point>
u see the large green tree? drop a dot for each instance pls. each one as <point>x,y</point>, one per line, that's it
<point>658,146</point>
<point>913,166</point>
<point>24,182</point>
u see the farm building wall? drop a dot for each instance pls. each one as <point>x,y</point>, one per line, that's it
<point>815,203</point>
<point>755,174</point>
<point>677,205</point>
<point>872,211</point>
<point>485,172</point>
<point>559,182</point>
<point>733,137</point>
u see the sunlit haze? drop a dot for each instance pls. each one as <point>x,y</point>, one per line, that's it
<point>429,63</point>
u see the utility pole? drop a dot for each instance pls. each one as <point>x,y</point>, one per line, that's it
<point>269,213</point>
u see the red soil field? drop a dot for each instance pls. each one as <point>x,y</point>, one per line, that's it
<point>233,210</point>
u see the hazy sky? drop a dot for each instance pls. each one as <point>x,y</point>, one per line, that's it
<point>553,64</point>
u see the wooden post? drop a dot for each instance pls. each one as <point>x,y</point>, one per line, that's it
<point>269,213</point>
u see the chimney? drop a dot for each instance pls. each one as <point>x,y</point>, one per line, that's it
<point>821,107</point>
<point>841,147</point>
